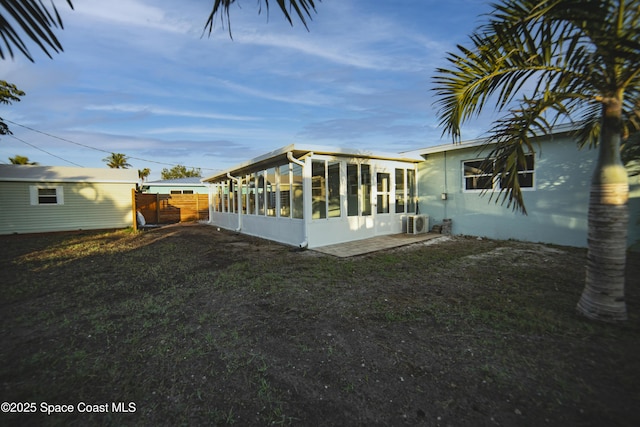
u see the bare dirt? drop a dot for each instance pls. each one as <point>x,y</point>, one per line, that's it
<point>196,326</point>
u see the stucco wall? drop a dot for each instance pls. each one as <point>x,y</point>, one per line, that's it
<point>86,206</point>
<point>557,207</point>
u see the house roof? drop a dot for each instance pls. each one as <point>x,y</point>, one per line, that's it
<point>477,143</point>
<point>36,173</point>
<point>301,151</point>
<point>176,181</point>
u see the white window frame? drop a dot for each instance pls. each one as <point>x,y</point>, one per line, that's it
<point>495,185</point>
<point>34,195</point>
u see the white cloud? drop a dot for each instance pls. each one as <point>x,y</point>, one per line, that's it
<point>131,13</point>
<point>161,111</point>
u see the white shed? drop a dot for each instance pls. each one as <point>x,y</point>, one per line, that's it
<point>52,198</point>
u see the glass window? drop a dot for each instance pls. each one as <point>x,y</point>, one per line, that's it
<point>225,196</point>
<point>233,207</point>
<point>270,188</point>
<point>187,191</point>
<point>176,192</point>
<point>217,198</point>
<point>400,196</point>
<point>48,196</point>
<point>285,191</point>
<point>525,172</point>
<point>383,187</point>
<point>260,193</point>
<point>365,182</point>
<point>352,190</point>
<point>296,189</point>
<point>318,189</point>
<point>411,191</point>
<point>251,194</point>
<point>478,175</point>
<point>333,186</point>
<point>242,195</point>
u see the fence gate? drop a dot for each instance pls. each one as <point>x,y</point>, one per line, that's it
<point>172,208</point>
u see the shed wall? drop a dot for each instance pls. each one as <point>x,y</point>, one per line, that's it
<point>86,206</point>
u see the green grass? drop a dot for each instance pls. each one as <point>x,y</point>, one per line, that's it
<point>195,330</point>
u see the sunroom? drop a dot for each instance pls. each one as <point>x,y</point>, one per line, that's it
<point>315,196</point>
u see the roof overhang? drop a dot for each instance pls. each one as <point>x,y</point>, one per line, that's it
<point>481,143</point>
<point>280,156</point>
<point>36,173</point>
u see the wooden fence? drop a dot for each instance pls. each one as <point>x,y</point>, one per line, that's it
<point>172,208</point>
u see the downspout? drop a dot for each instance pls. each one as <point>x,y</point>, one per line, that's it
<point>305,242</point>
<point>239,186</point>
<point>210,189</point>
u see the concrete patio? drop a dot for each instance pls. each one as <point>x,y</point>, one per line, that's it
<point>374,244</point>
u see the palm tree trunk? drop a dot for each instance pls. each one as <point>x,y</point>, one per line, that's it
<point>603,294</point>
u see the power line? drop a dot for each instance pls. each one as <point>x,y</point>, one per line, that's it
<point>98,149</point>
<point>44,151</point>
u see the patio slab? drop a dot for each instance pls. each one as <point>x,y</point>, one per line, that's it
<point>374,244</point>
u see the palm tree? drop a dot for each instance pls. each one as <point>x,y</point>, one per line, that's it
<point>21,160</point>
<point>300,8</point>
<point>117,161</point>
<point>144,173</point>
<point>34,19</point>
<point>581,61</point>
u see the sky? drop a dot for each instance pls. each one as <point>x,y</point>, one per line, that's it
<point>140,77</point>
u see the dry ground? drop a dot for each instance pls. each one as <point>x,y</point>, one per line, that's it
<point>195,327</point>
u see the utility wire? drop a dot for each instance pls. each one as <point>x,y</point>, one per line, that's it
<point>96,149</point>
<point>44,151</point>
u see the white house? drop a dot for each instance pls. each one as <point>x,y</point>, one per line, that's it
<point>52,198</point>
<point>316,196</point>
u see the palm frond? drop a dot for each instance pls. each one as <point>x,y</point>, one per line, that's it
<point>302,9</point>
<point>35,20</point>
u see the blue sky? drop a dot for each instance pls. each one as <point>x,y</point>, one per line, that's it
<point>137,77</point>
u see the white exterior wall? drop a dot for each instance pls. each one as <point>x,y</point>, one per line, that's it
<point>328,231</point>
<point>322,231</point>
<point>85,206</point>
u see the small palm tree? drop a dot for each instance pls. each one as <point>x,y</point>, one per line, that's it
<point>21,160</point>
<point>581,59</point>
<point>144,173</point>
<point>117,161</point>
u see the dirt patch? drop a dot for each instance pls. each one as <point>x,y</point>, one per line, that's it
<point>198,326</point>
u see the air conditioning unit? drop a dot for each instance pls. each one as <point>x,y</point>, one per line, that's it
<point>417,224</point>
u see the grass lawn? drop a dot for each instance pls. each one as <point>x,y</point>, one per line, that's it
<point>186,325</point>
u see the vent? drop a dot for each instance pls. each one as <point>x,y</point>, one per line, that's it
<point>417,224</point>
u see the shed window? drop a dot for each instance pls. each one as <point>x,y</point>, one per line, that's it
<point>46,195</point>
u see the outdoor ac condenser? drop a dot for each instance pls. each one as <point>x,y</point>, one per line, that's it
<point>417,224</point>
